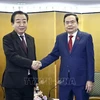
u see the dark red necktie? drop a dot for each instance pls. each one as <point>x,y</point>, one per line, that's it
<point>24,44</point>
<point>70,43</point>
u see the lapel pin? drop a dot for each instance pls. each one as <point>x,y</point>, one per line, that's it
<point>78,38</point>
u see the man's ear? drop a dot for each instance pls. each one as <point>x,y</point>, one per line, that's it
<point>12,24</point>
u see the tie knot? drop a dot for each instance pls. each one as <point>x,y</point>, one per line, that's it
<point>21,36</point>
<point>70,36</point>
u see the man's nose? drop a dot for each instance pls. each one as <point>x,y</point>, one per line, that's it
<point>70,23</point>
<point>21,24</point>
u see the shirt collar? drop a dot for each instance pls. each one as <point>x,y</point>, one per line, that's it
<point>21,35</point>
<point>74,34</point>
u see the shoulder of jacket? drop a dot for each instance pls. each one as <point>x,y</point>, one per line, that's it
<point>61,34</point>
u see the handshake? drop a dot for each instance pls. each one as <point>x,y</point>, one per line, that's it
<point>36,65</point>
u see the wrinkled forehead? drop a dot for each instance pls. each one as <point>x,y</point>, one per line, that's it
<point>19,17</point>
<point>70,18</point>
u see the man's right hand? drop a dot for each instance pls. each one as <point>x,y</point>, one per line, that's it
<point>36,65</point>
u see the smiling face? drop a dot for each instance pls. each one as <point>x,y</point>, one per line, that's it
<point>20,23</point>
<point>71,25</point>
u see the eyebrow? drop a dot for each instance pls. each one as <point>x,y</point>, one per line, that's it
<point>20,19</point>
<point>71,20</point>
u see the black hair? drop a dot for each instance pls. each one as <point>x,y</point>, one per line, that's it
<point>17,12</point>
<point>69,14</point>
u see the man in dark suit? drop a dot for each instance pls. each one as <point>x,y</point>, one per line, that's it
<point>19,78</point>
<point>77,60</point>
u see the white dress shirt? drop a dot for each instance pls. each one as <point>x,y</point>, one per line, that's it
<point>74,36</point>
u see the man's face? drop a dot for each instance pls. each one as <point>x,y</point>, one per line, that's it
<point>20,23</point>
<point>71,24</point>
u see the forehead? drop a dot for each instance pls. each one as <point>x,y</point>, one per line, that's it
<point>20,17</point>
<point>69,18</point>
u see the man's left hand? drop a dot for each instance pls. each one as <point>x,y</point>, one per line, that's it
<point>89,86</point>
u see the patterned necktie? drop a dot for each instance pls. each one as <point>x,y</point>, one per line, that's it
<point>24,44</point>
<point>70,43</point>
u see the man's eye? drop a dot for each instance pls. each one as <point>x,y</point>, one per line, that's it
<point>17,22</point>
<point>24,22</point>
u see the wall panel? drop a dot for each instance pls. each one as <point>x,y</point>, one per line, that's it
<point>44,27</point>
<point>91,25</point>
<point>41,26</point>
<point>5,27</point>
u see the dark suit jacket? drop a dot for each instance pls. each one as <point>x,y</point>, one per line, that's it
<point>79,64</point>
<point>17,61</point>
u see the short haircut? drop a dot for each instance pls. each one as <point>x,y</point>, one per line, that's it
<point>17,12</point>
<point>69,14</point>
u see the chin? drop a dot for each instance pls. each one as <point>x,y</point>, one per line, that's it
<point>69,31</point>
<point>21,31</point>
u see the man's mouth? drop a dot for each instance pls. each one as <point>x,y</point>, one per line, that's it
<point>21,28</point>
<point>70,28</point>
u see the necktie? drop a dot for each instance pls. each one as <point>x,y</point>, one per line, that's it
<point>25,49</point>
<point>70,43</point>
<point>23,44</point>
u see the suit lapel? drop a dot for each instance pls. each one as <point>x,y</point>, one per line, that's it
<point>16,38</point>
<point>28,45</point>
<point>77,40</point>
<point>18,41</point>
<point>65,38</point>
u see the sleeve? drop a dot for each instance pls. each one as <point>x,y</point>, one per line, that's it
<point>50,58</point>
<point>35,71</point>
<point>90,59</point>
